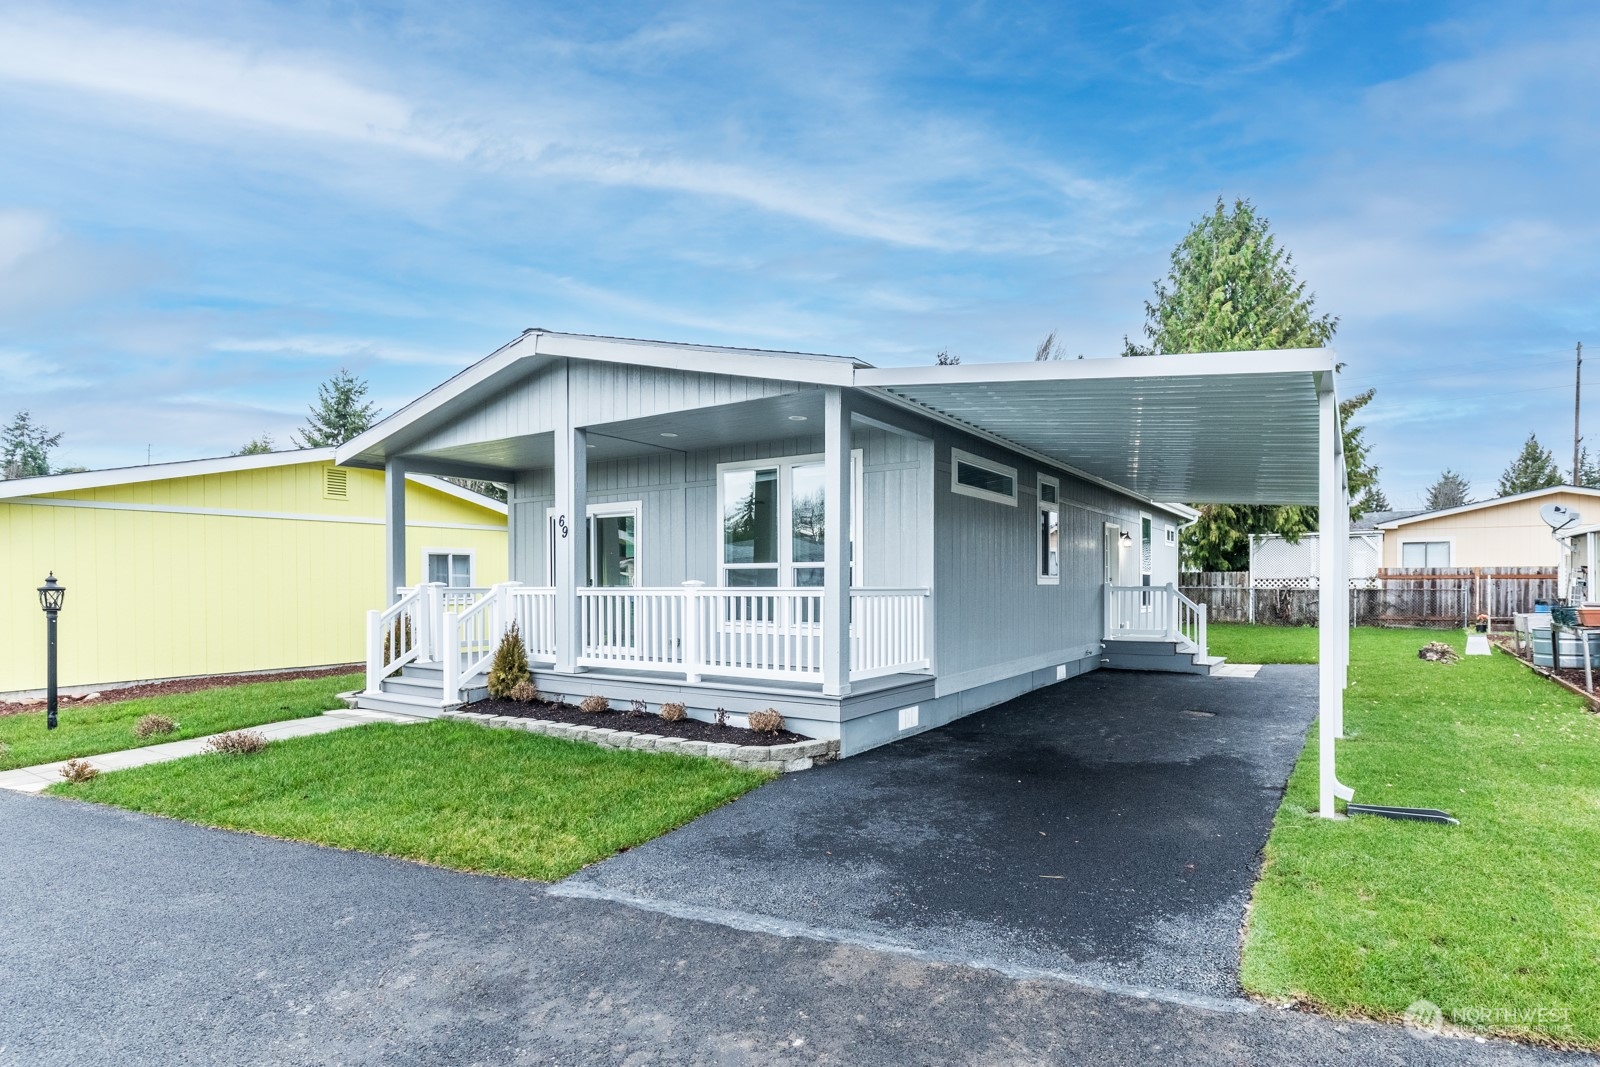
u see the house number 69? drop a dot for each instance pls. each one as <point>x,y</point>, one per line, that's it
<point>561,523</point>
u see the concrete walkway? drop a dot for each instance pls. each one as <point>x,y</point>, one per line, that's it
<point>38,778</point>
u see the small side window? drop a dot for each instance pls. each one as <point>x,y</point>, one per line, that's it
<point>982,478</point>
<point>1049,531</point>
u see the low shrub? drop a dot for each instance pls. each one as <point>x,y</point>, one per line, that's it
<point>722,716</point>
<point>238,743</point>
<point>525,692</point>
<point>766,722</point>
<point>78,770</point>
<point>510,666</point>
<point>151,725</point>
<point>595,705</point>
<point>674,712</point>
<point>407,640</point>
<point>638,707</point>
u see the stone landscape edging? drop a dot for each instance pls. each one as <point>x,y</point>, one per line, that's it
<point>783,759</point>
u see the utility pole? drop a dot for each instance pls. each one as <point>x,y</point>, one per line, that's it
<point>1577,397</point>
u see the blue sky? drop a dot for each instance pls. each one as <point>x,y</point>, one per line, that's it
<point>206,208</point>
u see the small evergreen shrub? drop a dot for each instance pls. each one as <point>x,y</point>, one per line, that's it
<point>595,705</point>
<point>510,665</point>
<point>722,716</point>
<point>674,712</point>
<point>638,707</point>
<point>237,743</point>
<point>766,722</point>
<point>151,725</point>
<point>525,692</point>
<point>407,642</point>
<point>78,770</point>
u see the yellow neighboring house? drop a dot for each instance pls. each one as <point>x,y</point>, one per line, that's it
<point>220,566</point>
<point>1504,532</point>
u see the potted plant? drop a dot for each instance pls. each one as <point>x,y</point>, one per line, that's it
<point>1483,624</point>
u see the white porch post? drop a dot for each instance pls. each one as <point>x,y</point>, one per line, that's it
<point>571,541</point>
<point>836,546</point>
<point>394,529</point>
<point>1332,602</point>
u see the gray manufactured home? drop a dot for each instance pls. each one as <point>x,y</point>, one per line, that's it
<point>874,552</point>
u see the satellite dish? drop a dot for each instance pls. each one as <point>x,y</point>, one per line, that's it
<point>1558,517</point>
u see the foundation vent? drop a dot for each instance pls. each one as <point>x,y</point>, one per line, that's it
<point>909,717</point>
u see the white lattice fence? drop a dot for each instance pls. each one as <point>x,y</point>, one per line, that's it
<point>1274,558</point>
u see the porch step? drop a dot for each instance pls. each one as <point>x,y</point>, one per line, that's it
<point>397,704</point>
<point>1179,657</point>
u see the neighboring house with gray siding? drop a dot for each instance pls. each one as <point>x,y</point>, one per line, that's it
<point>872,551</point>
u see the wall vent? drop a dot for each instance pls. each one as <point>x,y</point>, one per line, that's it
<point>908,717</point>
<point>335,483</point>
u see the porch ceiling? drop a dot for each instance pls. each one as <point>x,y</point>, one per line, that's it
<point>1235,428</point>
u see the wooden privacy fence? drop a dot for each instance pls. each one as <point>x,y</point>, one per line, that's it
<point>1415,596</point>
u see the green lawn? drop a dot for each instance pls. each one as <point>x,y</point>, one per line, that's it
<point>1496,920</point>
<point>1242,643</point>
<point>90,729</point>
<point>447,793</point>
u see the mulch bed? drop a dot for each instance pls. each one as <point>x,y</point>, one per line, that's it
<point>175,686</point>
<point>640,722</point>
<point>1568,677</point>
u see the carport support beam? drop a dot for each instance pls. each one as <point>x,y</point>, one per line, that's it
<point>1332,599</point>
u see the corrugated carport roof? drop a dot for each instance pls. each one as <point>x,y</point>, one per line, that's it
<point>1235,427</point>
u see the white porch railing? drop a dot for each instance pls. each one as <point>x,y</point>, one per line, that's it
<point>399,635</point>
<point>692,630</point>
<point>1154,612</point>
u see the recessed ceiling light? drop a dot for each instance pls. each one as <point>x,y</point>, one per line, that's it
<point>797,418</point>
<point>669,435</point>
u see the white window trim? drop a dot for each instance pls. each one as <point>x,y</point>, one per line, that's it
<point>1147,560</point>
<point>958,457</point>
<point>1045,507</point>
<point>472,565</point>
<point>784,464</point>
<point>1400,553</point>
<point>602,511</point>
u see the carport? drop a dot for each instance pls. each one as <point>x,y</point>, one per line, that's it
<point>1222,428</point>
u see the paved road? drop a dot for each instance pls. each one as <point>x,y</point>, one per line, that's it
<point>1109,827</point>
<point>131,940</point>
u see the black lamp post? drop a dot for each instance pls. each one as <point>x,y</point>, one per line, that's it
<point>51,594</point>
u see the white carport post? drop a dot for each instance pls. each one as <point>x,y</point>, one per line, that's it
<point>1333,597</point>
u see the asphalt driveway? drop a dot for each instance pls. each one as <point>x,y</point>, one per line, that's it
<point>1108,828</point>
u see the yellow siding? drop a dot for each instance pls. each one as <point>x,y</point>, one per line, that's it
<point>1501,535</point>
<point>160,595</point>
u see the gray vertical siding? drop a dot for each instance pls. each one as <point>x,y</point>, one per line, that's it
<point>993,618</point>
<point>601,393</point>
<point>679,526</point>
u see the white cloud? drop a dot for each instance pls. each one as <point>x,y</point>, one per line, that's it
<point>219,80</point>
<point>344,348</point>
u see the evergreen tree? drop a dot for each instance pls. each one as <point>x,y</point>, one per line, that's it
<point>1230,287</point>
<point>510,665</point>
<point>1450,491</point>
<point>1534,468</point>
<point>25,448</point>
<point>339,413</point>
<point>1588,470</point>
<point>1373,500</point>
<point>257,446</point>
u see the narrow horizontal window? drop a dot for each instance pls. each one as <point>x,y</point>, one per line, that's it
<point>973,476</point>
